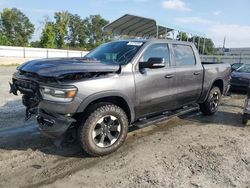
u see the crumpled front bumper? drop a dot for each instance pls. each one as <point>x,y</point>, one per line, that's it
<point>53,125</point>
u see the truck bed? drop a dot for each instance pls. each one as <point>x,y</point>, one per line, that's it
<point>214,71</point>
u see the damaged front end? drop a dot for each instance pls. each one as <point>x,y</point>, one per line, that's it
<point>49,92</point>
<point>30,98</point>
<point>34,92</point>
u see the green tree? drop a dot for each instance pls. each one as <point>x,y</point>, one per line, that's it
<point>48,37</point>
<point>77,31</point>
<point>94,24</point>
<point>61,27</point>
<point>16,28</point>
<point>35,44</point>
<point>4,40</point>
<point>182,36</point>
<point>199,42</point>
<point>209,47</point>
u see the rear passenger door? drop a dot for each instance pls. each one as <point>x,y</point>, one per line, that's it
<point>189,74</point>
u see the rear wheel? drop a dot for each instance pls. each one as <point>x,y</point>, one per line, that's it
<point>104,131</point>
<point>210,106</point>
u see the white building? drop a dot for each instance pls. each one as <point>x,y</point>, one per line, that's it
<point>234,51</point>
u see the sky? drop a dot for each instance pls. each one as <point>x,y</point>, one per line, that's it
<point>215,18</point>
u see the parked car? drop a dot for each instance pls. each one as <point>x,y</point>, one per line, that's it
<point>235,66</point>
<point>240,78</point>
<point>117,85</point>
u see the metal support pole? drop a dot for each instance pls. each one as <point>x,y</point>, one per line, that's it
<point>157,31</point>
<point>199,39</point>
<point>203,49</point>
<point>180,36</point>
<point>173,34</point>
<point>187,37</point>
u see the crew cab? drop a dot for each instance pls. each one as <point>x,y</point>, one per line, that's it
<point>115,86</point>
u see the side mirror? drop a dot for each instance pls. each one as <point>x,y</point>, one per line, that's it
<point>152,63</point>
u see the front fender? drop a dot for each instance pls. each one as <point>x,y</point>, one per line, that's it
<point>104,94</point>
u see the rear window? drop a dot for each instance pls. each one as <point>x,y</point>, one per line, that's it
<point>183,55</point>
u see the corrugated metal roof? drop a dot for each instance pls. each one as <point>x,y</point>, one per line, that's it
<point>136,26</point>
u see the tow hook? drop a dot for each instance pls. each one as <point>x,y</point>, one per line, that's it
<point>30,112</point>
<point>13,89</point>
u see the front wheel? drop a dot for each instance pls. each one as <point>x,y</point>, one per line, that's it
<point>210,106</point>
<point>104,131</point>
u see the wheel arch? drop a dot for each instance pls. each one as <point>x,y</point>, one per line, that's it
<point>112,97</point>
<point>205,93</point>
<point>219,83</point>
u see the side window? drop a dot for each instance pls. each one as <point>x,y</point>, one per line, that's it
<point>156,50</point>
<point>183,55</point>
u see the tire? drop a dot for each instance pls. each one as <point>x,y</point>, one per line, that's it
<point>244,119</point>
<point>104,130</point>
<point>210,106</point>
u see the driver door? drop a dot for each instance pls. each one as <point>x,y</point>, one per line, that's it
<point>155,90</point>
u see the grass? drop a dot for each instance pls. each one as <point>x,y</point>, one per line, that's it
<point>10,65</point>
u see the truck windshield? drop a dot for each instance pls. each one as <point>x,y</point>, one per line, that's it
<point>118,52</point>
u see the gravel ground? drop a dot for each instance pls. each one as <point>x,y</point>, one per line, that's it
<point>187,151</point>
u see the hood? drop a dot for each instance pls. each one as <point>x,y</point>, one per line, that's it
<point>62,66</point>
<point>242,75</point>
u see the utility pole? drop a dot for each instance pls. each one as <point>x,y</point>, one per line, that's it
<point>203,48</point>
<point>224,42</point>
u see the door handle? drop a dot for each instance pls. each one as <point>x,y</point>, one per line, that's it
<point>197,73</point>
<point>169,76</point>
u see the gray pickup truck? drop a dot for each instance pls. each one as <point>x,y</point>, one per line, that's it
<point>115,86</point>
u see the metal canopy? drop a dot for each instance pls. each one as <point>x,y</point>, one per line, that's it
<point>136,26</point>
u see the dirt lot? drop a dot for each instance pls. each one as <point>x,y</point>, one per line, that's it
<point>189,151</point>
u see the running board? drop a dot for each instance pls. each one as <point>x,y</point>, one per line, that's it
<point>145,122</point>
